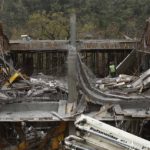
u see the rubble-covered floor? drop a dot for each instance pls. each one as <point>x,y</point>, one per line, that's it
<point>41,99</point>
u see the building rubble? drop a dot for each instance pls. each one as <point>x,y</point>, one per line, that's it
<point>38,112</point>
<point>37,88</point>
<point>125,84</point>
<point>122,81</point>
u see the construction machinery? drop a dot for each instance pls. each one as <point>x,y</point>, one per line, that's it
<point>94,134</point>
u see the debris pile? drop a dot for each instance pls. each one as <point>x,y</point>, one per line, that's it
<point>38,88</point>
<point>46,86</point>
<point>120,81</point>
<point>125,84</point>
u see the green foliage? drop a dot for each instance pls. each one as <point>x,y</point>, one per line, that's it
<point>49,19</point>
<point>47,26</point>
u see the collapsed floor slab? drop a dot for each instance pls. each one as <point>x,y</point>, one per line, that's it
<point>34,111</point>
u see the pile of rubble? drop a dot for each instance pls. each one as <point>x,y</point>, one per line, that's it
<point>38,88</point>
<point>120,81</point>
<point>125,84</point>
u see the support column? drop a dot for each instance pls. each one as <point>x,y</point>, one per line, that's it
<point>72,76</point>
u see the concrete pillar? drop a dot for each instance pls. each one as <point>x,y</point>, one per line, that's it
<point>72,76</point>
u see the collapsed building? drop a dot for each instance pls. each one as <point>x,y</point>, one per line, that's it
<point>46,84</point>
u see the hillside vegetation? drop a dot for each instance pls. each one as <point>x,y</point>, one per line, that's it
<point>96,19</point>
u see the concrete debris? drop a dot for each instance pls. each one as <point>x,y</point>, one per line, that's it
<point>121,81</point>
<point>93,134</point>
<point>46,88</point>
<point>41,81</point>
<point>42,86</point>
<point>3,96</point>
<point>126,83</point>
<point>143,81</point>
